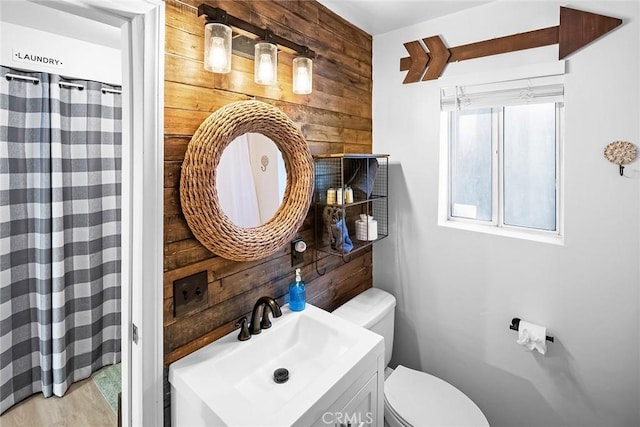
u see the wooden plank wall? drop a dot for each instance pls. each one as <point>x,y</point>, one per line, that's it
<point>335,118</point>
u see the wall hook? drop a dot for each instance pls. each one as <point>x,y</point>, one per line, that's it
<point>620,153</point>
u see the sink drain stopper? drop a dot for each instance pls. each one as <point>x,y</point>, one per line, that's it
<point>281,375</point>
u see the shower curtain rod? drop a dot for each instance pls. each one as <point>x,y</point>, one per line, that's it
<point>71,85</point>
<point>35,81</point>
<point>10,77</point>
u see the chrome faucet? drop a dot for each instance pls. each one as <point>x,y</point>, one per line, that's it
<point>267,303</point>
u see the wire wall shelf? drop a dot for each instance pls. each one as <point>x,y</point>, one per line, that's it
<point>351,202</point>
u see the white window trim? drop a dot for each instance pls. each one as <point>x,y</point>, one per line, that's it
<point>496,226</point>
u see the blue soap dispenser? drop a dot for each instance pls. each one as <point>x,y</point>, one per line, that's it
<point>297,293</point>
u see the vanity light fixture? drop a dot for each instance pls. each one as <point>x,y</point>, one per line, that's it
<point>266,63</point>
<point>217,55</point>
<point>302,75</point>
<point>217,47</point>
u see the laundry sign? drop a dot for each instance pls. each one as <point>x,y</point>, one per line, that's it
<point>32,57</point>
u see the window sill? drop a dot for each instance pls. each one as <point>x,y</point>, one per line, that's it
<point>542,237</point>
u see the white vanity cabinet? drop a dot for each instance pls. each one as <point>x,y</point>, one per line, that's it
<point>362,409</point>
<point>362,404</point>
<point>336,375</point>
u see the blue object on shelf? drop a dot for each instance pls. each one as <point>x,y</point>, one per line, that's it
<point>342,241</point>
<point>297,293</point>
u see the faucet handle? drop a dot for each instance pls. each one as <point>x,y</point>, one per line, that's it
<point>265,323</point>
<point>244,329</point>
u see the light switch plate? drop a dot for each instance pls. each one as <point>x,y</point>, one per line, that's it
<point>190,294</point>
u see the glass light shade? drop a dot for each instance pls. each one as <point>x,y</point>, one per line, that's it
<point>217,48</point>
<point>302,75</point>
<point>266,64</point>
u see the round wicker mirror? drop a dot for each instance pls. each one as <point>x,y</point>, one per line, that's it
<point>199,197</point>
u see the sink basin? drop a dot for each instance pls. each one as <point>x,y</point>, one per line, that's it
<point>231,382</point>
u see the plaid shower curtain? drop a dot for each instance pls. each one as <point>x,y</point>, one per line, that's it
<point>60,163</point>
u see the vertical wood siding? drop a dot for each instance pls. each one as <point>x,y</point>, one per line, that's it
<point>335,118</point>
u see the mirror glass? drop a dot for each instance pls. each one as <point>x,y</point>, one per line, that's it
<point>251,180</point>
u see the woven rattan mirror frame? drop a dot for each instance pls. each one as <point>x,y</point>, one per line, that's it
<point>199,196</point>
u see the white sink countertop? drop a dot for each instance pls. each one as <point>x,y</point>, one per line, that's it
<point>233,379</point>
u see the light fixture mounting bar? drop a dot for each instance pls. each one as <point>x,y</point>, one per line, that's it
<point>215,14</point>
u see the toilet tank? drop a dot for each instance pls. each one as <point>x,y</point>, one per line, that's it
<point>373,309</point>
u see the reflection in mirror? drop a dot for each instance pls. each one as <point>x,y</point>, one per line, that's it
<point>251,180</point>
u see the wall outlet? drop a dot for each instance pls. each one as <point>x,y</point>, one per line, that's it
<point>190,294</point>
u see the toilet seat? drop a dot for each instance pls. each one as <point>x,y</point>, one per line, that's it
<point>416,398</point>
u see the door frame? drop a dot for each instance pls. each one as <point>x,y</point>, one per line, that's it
<point>142,27</point>
<point>145,84</point>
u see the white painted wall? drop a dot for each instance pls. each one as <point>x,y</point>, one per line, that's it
<point>87,49</point>
<point>458,290</point>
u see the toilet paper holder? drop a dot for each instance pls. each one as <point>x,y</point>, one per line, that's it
<point>515,325</point>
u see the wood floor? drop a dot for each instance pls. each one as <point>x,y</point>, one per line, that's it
<point>81,406</point>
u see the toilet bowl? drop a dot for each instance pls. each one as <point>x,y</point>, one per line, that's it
<point>411,398</point>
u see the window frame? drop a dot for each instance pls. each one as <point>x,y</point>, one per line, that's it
<point>497,225</point>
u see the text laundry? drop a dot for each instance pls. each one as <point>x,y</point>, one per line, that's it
<point>37,58</point>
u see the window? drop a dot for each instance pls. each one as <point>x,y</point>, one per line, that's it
<point>504,142</point>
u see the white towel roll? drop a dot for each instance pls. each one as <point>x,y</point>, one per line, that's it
<point>532,336</point>
<point>366,230</point>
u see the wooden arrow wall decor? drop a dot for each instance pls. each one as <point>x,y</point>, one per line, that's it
<point>577,29</point>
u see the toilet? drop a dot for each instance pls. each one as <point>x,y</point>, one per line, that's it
<point>411,398</point>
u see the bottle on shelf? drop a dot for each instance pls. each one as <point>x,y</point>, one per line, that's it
<point>348,195</point>
<point>331,196</point>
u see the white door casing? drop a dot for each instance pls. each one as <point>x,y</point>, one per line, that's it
<point>142,26</point>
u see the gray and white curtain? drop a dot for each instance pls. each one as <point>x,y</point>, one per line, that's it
<point>60,163</point>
